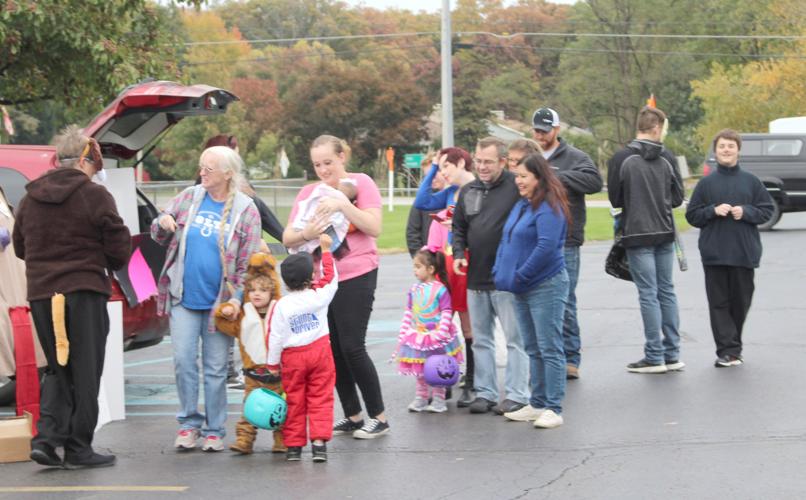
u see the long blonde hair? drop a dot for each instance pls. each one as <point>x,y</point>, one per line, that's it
<point>228,161</point>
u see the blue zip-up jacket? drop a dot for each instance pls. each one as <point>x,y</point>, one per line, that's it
<point>531,247</point>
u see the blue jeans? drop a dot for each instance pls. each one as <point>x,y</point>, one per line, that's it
<point>540,317</point>
<point>484,306</point>
<point>651,268</point>
<point>571,340</point>
<point>188,327</point>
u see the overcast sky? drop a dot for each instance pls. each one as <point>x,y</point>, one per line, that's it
<point>417,5</point>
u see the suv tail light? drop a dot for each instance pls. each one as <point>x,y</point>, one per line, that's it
<point>706,169</point>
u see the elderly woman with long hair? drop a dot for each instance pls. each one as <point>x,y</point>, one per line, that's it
<point>530,264</point>
<point>211,229</point>
<point>348,315</point>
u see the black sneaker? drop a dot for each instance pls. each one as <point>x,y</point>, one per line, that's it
<point>45,454</point>
<point>94,460</point>
<point>346,426</point>
<point>507,406</point>
<point>728,361</point>
<point>674,365</point>
<point>466,398</point>
<point>645,366</point>
<point>481,405</point>
<point>372,429</point>
<point>293,454</point>
<point>319,452</point>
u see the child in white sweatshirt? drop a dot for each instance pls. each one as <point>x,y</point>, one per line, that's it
<point>299,348</point>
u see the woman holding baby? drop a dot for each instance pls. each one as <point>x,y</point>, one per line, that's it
<point>357,268</point>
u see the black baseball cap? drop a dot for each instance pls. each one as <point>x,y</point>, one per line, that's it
<point>545,119</point>
<point>296,270</point>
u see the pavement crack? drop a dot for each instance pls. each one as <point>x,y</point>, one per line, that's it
<point>559,476</point>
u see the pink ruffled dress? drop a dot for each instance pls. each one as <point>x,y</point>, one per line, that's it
<point>427,328</point>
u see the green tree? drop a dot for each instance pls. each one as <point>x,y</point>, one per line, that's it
<point>81,52</point>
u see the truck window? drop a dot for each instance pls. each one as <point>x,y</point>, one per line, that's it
<point>13,184</point>
<point>782,147</point>
<point>750,148</point>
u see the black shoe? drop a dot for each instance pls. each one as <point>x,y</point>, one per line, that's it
<point>94,460</point>
<point>645,366</point>
<point>507,406</point>
<point>45,454</point>
<point>481,405</point>
<point>319,452</point>
<point>373,428</point>
<point>466,398</point>
<point>346,426</point>
<point>728,361</point>
<point>294,454</point>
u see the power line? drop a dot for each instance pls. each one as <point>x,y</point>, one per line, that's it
<point>316,38</point>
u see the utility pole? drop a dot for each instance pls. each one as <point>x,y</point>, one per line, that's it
<point>447,77</point>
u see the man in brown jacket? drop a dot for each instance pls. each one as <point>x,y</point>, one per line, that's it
<point>69,233</point>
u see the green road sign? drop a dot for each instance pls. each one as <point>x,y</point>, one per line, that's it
<point>412,160</point>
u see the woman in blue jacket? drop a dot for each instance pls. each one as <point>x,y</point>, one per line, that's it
<point>530,264</point>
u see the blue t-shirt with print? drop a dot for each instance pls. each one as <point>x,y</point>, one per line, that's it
<point>202,279</point>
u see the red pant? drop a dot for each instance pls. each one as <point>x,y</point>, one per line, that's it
<point>309,377</point>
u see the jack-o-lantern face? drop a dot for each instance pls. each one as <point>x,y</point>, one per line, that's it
<point>446,368</point>
<point>277,416</point>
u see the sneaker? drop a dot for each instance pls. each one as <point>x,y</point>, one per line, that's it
<point>186,439</point>
<point>346,426</point>
<point>419,404</point>
<point>93,461</point>
<point>526,414</point>
<point>45,454</point>
<point>438,405</point>
<point>372,429</point>
<point>645,366</point>
<point>571,372</point>
<point>481,405</point>
<point>294,454</point>
<point>319,452</point>
<point>548,420</point>
<point>236,383</point>
<point>674,365</point>
<point>507,406</point>
<point>728,361</point>
<point>213,443</point>
<point>466,398</point>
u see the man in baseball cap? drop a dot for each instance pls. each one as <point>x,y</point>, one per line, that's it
<point>580,177</point>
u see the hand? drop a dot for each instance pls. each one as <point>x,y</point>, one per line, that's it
<point>330,204</point>
<point>458,264</point>
<point>447,223</point>
<point>229,312</point>
<point>315,227</point>
<point>737,212</point>
<point>167,223</point>
<point>325,241</point>
<point>5,238</point>
<point>722,210</point>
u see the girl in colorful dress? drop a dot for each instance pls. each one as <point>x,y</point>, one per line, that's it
<point>427,328</point>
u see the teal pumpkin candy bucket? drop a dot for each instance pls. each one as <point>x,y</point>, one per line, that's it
<point>265,409</point>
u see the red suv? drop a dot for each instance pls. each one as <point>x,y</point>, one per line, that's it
<point>134,121</point>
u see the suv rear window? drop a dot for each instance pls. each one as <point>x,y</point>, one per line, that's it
<point>782,147</point>
<point>13,184</point>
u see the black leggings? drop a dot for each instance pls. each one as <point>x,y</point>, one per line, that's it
<point>347,319</point>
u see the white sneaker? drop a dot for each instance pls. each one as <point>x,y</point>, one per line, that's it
<point>548,420</point>
<point>419,404</point>
<point>437,405</point>
<point>526,414</point>
<point>186,439</point>
<point>213,443</point>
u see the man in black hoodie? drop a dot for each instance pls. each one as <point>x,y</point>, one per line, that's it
<point>580,176</point>
<point>643,179</point>
<point>69,233</point>
<point>478,221</point>
<point>727,206</point>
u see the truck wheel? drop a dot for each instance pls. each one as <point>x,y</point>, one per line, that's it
<point>776,216</point>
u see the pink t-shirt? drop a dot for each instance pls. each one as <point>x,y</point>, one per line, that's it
<point>363,255</point>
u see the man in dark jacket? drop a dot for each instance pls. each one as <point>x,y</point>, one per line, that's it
<point>727,206</point>
<point>580,177</point>
<point>69,233</point>
<point>478,220</point>
<point>644,180</point>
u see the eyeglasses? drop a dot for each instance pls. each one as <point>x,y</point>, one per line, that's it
<point>513,161</point>
<point>486,163</point>
<point>209,169</point>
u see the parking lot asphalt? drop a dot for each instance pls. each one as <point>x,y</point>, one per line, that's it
<point>700,433</point>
